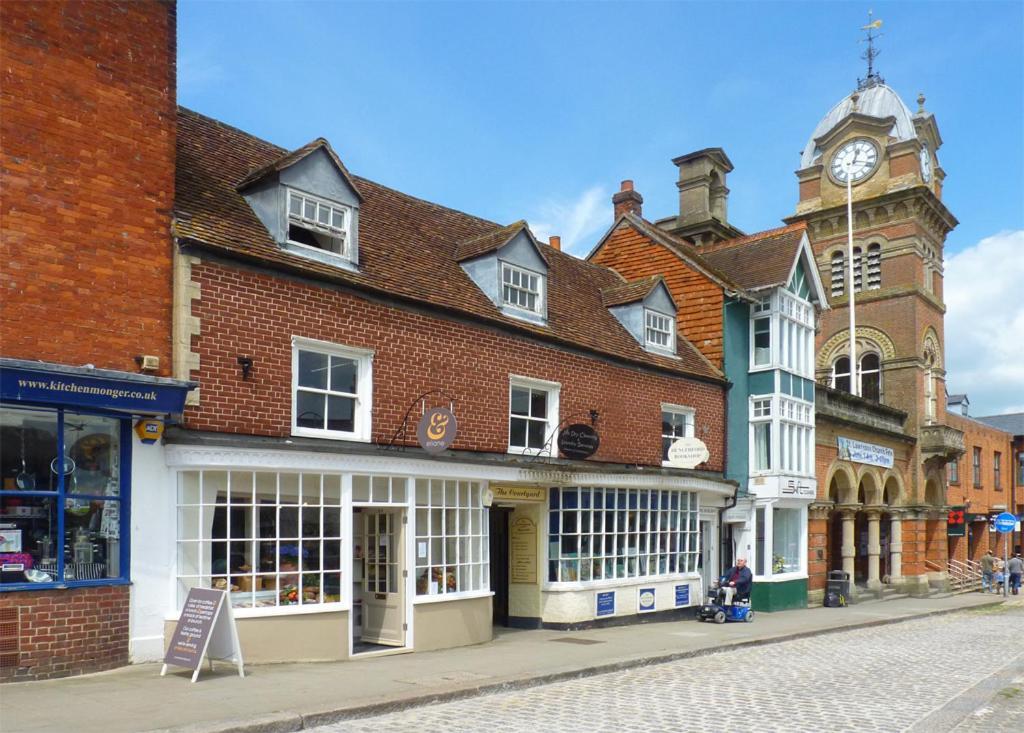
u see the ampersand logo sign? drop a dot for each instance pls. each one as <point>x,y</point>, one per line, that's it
<point>436,430</point>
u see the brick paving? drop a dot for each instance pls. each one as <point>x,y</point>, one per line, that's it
<point>887,678</point>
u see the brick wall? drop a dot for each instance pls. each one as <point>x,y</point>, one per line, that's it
<point>699,300</point>
<point>87,115</point>
<point>244,312</point>
<point>991,441</point>
<point>63,632</point>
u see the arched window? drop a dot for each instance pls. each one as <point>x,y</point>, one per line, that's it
<point>874,266</point>
<point>871,377</point>
<point>929,387</point>
<point>838,274</point>
<point>841,374</point>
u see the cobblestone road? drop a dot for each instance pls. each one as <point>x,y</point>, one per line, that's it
<point>962,671</point>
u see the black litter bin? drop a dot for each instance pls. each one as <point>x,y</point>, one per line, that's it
<point>837,589</point>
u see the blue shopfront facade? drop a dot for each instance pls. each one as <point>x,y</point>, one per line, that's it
<point>66,436</point>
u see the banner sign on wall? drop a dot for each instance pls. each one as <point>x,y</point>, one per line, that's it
<point>606,603</point>
<point>645,600</point>
<point>858,452</point>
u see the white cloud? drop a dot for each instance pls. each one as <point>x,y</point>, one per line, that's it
<point>984,293</point>
<point>576,221</point>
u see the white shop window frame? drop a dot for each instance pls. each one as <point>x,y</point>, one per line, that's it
<point>769,540</point>
<point>549,586</point>
<point>554,391</point>
<point>363,412</point>
<point>475,504</point>
<point>345,601</point>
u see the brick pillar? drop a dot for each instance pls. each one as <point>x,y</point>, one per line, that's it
<point>817,552</point>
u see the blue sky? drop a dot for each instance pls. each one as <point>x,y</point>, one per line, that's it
<point>538,110</point>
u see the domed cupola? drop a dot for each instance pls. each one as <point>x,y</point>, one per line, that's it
<point>876,101</point>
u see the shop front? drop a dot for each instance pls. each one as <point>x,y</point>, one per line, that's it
<point>329,555</point>
<point>74,442</point>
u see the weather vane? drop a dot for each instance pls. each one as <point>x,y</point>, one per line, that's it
<point>872,78</point>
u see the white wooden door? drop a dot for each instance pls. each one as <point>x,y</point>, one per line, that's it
<point>383,581</point>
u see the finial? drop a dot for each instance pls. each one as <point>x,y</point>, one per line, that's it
<point>872,78</point>
<point>920,102</point>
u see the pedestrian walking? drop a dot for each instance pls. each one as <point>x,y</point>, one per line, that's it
<point>988,565</point>
<point>1015,567</point>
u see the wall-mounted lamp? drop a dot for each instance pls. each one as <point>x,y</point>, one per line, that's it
<point>594,414</point>
<point>246,363</point>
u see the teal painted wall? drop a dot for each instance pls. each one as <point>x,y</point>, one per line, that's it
<point>736,350</point>
<point>779,596</point>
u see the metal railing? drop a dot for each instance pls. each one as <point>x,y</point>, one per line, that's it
<point>964,576</point>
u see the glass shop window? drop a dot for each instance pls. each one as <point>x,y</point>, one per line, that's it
<point>60,498</point>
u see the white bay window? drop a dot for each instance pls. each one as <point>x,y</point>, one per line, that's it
<point>605,534</point>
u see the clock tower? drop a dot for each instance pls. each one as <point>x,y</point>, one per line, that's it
<point>900,225</point>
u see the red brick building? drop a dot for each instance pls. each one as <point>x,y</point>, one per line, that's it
<point>981,485</point>
<point>87,172</point>
<point>323,314</point>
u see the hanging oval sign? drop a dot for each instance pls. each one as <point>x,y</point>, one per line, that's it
<point>437,428</point>
<point>687,453</point>
<point>578,441</point>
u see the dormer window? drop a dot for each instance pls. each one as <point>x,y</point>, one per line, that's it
<point>318,223</point>
<point>522,289</point>
<point>660,331</point>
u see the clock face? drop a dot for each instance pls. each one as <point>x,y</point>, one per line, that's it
<point>926,164</point>
<point>856,160</point>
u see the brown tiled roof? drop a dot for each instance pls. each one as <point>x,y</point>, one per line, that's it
<point>629,292</point>
<point>485,243</point>
<point>760,260</point>
<point>294,157</point>
<point>407,249</point>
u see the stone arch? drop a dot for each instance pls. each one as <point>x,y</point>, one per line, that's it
<point>869,488</point>
<point>861,220</point>
<point>824,228</point>
<point>842,482</point>
<point>880,215</point>
<point>868,339</point>
<point>900,211</point>
<point>892,488</point>
<point>931,347</point>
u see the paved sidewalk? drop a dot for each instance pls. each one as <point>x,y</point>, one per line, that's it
<point>289,697</point>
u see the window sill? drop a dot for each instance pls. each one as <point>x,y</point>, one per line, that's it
<point>328,435</point>
<point>320,255</point>
<point>442,597</point>
<point>532,452</point>
<point>67,585</point>
<point>241,612</point>
<point>539,319</point>
<point>781,577</point>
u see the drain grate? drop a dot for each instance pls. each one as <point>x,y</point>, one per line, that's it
<point>576,640</point>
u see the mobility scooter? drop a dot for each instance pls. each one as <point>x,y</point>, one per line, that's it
<point>716,609</point>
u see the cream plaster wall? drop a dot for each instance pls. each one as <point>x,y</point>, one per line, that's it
<point>581,605</point>
<point>310,637</point>
<point>446,624</point>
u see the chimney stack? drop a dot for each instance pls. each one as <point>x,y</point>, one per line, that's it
<point>556,243</point>
<point>627,201</point>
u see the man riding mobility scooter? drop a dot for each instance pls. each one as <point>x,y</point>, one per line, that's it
<point>729,598</point>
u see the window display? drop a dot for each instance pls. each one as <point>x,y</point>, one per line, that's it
<point>270,539</point>
<point>60,500</point>
<point>606,534</point>
<point>451,542</point>
<point>786,526</point>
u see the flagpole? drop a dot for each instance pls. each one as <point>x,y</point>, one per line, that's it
<point>854,381</point>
